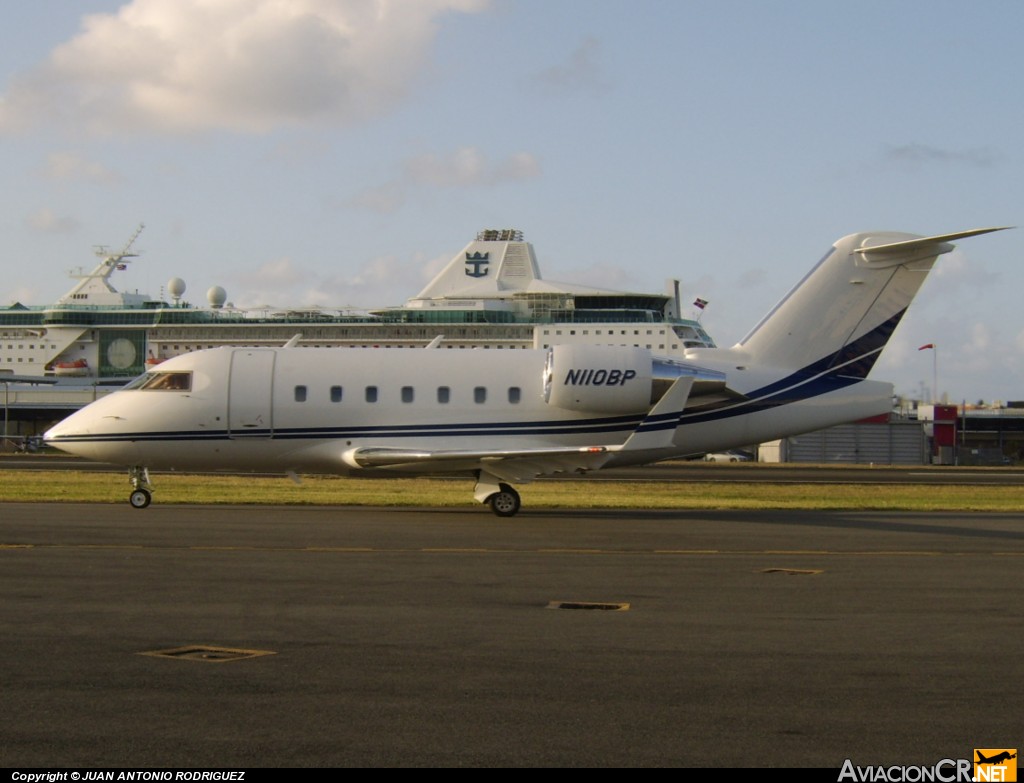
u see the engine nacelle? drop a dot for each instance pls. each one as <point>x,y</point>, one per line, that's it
<point>598,378</point>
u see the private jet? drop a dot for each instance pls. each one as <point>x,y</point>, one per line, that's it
<point>507,417</point>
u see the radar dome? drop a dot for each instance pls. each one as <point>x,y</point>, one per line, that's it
<point>216,296</point>
<point>176,287</point>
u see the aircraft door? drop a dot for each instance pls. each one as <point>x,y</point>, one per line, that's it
<point>250,394</point>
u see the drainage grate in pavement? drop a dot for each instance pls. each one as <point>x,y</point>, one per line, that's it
<point>607,607</point>
<point>207,653</point>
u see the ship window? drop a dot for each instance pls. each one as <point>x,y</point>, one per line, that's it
<point>514,394</point>
<point>300,394</point>
<point>335,394</point>
<point>480,395</point>
<point>162,381</point>
<point>371,394</point>
<point>444,394</point>
<point>407,394</point>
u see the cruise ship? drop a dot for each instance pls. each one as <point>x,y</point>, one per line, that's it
<point>489,296</point>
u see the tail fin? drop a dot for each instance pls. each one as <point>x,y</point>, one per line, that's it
<point>841,315</point>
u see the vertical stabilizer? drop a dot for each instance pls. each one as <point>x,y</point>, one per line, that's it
<point>841,315</point>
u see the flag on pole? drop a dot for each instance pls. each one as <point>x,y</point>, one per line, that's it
<point>700,304</point>
<point>926,347</point>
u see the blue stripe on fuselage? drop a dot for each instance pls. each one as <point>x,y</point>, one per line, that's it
<point>846,367</point>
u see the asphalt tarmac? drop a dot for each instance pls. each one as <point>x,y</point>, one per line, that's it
<point>409,637</point>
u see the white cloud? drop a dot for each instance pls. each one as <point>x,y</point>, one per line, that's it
<point>235,65</point>
<point>282,272</point>
<point>582,71</point>
<point>68,166</point>
<point>466,167</point>
<point>46,221</point>
<point>915,154</point>
<point>381,282</point>
<point>23,295</point>
<point>469,166</point>
<point>384,198</point>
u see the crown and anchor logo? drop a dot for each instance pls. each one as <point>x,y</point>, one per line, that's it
<point>478,261</point>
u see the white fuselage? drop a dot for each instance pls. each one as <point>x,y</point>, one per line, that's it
<point>303,409</point>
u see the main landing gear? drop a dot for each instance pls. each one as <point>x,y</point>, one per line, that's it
<point>142,490</point>
<point>502,498</point>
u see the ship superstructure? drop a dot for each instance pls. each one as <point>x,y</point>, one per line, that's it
<point>491,295</point>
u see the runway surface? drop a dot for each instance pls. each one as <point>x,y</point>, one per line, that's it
<point>425,638</point>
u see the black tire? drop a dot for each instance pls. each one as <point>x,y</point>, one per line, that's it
<point>140,498</point>
<point>505,502</point>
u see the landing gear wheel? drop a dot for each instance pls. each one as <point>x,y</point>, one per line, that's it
<point>505,502</point>
<point>140,498</point>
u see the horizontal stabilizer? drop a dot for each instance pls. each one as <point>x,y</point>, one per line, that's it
<point>922,246</point>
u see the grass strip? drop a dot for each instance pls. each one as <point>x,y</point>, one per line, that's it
<point>88,487</point>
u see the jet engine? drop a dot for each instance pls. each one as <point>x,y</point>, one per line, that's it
<point>616,379</point>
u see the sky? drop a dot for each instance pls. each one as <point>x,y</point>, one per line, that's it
<point>339,152</point>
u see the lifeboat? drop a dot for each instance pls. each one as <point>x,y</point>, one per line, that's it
<point>76,367</point>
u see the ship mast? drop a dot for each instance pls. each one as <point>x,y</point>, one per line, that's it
<point>98,280</point>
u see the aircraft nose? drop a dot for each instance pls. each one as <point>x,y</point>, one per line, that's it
<point>63,434</point>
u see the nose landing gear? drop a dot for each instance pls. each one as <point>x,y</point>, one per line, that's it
<point>142,491</point>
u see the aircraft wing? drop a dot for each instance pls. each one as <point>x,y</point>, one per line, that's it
<point>654,433</point>
<point>510,465</point>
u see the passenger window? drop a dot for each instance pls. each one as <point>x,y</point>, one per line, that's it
<point>300,394</point>
<point>514,394</point>
<point>480,395</point>
<point>335,394</point>
<point>371,394</point>
<point>444,394</point>
<point>407,394</point>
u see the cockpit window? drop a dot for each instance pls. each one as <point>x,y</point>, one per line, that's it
<point>162,381</point>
